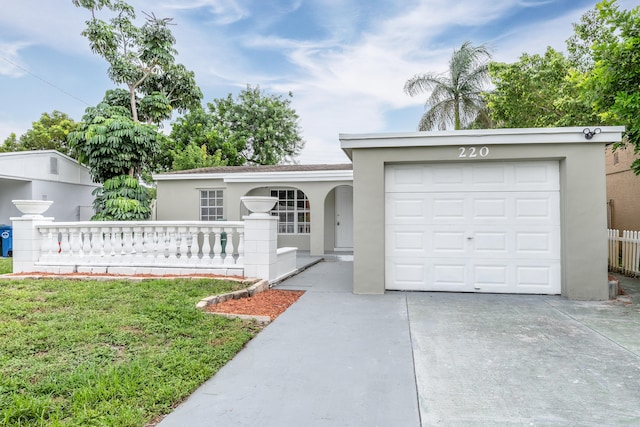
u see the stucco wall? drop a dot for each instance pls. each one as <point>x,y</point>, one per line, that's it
<point>37,165</point>
<point>179,200</point>
<point>67,198</point>
<point>582,176</point>
<point>12,190</point>
<point>623,189</point>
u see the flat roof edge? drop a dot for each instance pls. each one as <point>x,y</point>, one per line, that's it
<point>482,133</point>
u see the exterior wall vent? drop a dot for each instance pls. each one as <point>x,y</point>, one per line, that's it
<point>53,165</point>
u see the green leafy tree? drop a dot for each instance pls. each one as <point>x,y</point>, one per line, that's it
<point>613,84</point>
<point>538,91</point>
<point>48,133</point>
<point>112,144</point>
<point>591,29</point>
<point>193,157</point>
<point>117,147</point>
<point>143,59</point>
<point>456,97</point>
<point>254,128</point>
<point>121,198</point>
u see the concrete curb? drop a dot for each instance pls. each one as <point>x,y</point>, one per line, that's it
<point>260,319</point>
<point>257,287</point>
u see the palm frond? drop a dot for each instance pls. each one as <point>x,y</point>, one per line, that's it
<point>455,98</point>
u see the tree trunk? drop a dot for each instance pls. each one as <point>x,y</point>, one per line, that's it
<point>132,100</point>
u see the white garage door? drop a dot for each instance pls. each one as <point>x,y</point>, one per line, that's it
<point>473,227</point>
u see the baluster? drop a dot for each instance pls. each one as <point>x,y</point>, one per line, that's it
<point>195,246</point>
<point>137,247</point>
<point>54,249</point>
<point>94,247</point>
<point>206,246</point>
<point>217,248</point>
<point>86,242</point>
<point>173,247</point>
<point>184,247</point>
<point>159,244</point>
<point>228,259</point>
<point>127,245</point>
<point>108,242</point>
<point>116,241</point>
<point>75,241</point>
<point>97,243</point>
<point>65,247</point>
<point>45,244</point>
<point>137,241</point>
<point>240,259</point>
<point>163,243</point>
<point>148,244</point>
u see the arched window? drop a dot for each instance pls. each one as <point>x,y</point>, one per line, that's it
<point>292,210</point>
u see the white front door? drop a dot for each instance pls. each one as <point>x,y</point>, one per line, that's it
<point>344,217</point>
<point>473,227</point>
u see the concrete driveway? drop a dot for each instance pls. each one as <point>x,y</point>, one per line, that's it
<point>411,359</point>
<point>525,360</point>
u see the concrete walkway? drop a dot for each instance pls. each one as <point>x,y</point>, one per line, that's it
<point>411,359</point>
<point>332,359</point>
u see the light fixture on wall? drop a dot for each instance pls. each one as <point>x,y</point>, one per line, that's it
<point>588,133</point>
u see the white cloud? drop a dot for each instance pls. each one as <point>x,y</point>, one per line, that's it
<point>224,12</point>
<point>10,63</point>
<point>44,23</point>
<point>346,77</point>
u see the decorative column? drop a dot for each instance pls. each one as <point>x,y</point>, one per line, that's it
<point>260,238</point>
<point>26,238</point>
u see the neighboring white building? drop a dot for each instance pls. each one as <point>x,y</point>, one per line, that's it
<point>45,175</point>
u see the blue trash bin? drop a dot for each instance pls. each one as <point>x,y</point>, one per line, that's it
<point>6,239</point>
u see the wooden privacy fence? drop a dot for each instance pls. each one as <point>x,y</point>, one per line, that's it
<point>624,251</point>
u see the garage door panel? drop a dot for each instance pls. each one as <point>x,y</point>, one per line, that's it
<point>489,208</point>
<point>538,207</point>
<point>486,176</point>
<point>484,240</point>
<point>473,208</point>
<point>537,278</point>
<point>407,274</point>
<point>406,241</point>
<point>490,242</point>
<point>473,227</point>
<point>487,276</point>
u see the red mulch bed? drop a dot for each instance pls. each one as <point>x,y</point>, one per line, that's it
<point>272,303</point>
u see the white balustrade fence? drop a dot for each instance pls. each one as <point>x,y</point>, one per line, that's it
<point>624,251</point>
<point>231,248</point>
<point>151,247</point>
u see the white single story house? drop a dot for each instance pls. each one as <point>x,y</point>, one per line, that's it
<point>315,207</point>
<point>45,175</point>
<point>499,211</point>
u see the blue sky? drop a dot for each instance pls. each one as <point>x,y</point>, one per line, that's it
<point>345,61</point>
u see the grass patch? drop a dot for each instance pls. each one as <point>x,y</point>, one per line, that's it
<point>79,352</point>
<point>6,265</point>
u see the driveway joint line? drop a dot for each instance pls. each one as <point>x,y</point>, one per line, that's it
<point>636,355</point>
<point>413,356</point>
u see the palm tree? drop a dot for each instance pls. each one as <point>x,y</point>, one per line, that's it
<point>457,97</point>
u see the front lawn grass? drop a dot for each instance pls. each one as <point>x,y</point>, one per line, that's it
<point>116,353</point>
<point>6,265</point>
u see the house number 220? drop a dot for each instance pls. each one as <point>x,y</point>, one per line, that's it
<point>472,152</point>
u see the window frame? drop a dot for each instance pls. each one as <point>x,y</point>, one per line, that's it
<point>292,208</point>
<point>217,207</point>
